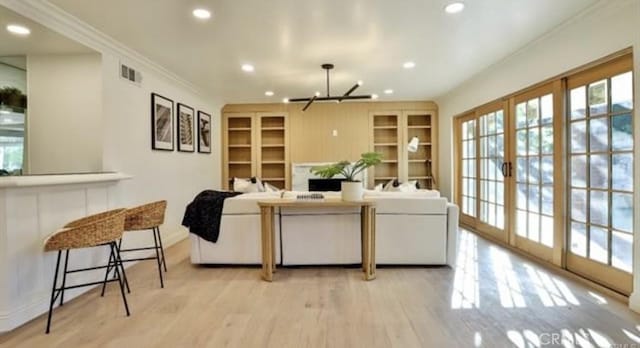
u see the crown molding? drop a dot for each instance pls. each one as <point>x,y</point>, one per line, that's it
<point>58,20</point>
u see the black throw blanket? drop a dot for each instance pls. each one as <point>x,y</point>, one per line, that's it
<point>203,215</point>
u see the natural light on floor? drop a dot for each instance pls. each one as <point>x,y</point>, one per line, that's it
<point>466,292</point>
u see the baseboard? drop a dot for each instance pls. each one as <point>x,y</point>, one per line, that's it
<point>634,301</point>
<point>9,320</point>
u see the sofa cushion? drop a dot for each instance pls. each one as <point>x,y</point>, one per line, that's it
<point>247,203</point>
<point>370,194</point>
<point>411,205</point>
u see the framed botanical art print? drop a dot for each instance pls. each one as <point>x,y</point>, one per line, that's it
<point>204,132</point>
<point>161,123</point>
<point>186,117</point>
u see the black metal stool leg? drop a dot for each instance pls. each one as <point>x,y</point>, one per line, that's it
<point>164,262</point>
<point>64,277</point>
<point>155,241</point>
<point>114,250</point>
<point>106,273</point>
<point>124,274</point>
<point>53,292</point>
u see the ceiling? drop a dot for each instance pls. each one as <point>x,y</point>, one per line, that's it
<point>287,40</point>
<point>40,41</point>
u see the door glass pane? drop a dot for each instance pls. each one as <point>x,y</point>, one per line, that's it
<point>534,227</point>
<point>599,134</point>
<point>546,109</point>
<point>546,170</point>
<point>599,171</point>
<point>621,133</point>
<point>534,169</point>
<point>547,200</point>
<point>522,196</point>
<point>521,115</point>
<point>578,103</point>
<point>622,92</point>
<point>598,246</point>
<point>579,239</point>
<point>622,211</point>
<point>621,251</point>
<point>599,208</point>
<point>546,231</point>
<point>521,140</point>
<point>579,171</point>
<point>534,141</point>
<point>533,112</point>
<point>579,205</point>
<point>521,227</point>
<point>546,135</point>
<point>578,136</point>
<point>622,172</point>
<point>598,98</point>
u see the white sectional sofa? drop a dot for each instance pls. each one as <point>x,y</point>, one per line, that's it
<point>417,228</point>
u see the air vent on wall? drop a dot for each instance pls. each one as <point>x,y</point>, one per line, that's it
<point>130,74</point>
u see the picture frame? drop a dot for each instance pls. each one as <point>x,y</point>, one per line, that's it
<point>185,126</point>
<point>161,123</point>
<point>204,132</point>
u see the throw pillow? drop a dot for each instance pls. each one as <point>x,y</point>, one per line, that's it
<point>247,185</point>
<point>270,188</point>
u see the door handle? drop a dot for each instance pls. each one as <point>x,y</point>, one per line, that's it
<point>510,169</point>
<point>503,169</point>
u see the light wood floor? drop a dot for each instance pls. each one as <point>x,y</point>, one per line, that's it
<point>493,299</point>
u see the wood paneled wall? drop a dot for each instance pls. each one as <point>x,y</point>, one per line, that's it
<point>311,133</point>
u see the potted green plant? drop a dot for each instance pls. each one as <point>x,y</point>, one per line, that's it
<point>352,189</point>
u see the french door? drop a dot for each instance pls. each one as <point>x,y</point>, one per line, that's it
<point>600,159</point>
<point>481,184</point>
<point>535,137</point>
<point>550,171</point>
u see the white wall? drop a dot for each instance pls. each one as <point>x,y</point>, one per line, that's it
<point>65,113</point>
<point>174,176</point>
<point>607,27</point>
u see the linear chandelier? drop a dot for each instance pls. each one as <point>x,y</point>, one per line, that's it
<point>329,97</point>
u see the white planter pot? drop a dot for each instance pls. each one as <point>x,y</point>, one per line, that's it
<point>352,191</point>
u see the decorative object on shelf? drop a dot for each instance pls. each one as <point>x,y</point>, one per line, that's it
<point>204,132</point>
<point>329,97</point>
<point>161,123</point>
<point>352,190</point>
<point>186,117</point>
<point>413,145</point>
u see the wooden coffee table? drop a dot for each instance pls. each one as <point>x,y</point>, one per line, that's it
<point>367,230</point>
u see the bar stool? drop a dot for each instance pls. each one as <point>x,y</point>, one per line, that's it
<point>102,229</point>
<point>142,218</point>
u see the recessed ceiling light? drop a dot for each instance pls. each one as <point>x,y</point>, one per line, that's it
<point>374,96</point>
<point>18,29</point>
<point>247,68</point>
<point>201,13</point>
<point>388,91</point>
<point>409,65</point>
<point>454,7</point>
<point>285,100</point>
<point>268,93</point>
